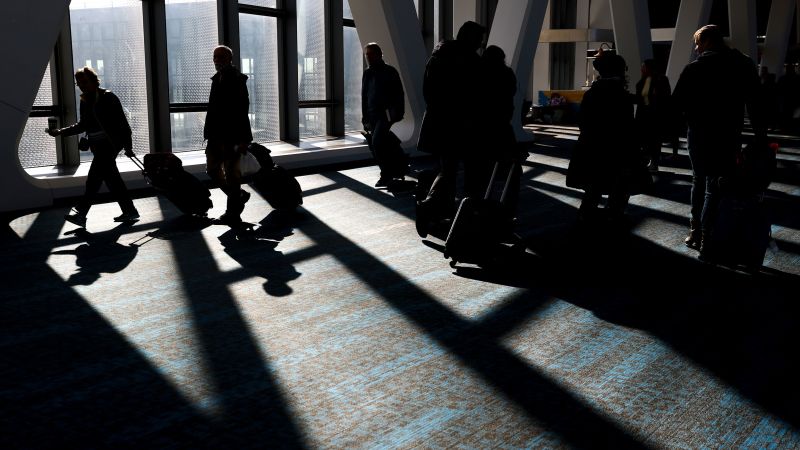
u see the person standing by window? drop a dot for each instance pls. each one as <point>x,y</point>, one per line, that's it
<point>228,132</point>
<point>382,105</point>
<point>108,131</point>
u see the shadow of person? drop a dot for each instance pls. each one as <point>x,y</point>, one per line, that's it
<point>101,253</point>
<point>256,252</point>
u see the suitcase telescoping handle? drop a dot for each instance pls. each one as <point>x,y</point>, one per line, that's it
<point>510,176</point>
<point>140,165</point>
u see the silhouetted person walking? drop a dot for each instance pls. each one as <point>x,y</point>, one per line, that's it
<point>105,124</point>
<point>450,88</point>
<point>606,159</point>
<point>499,85</point>
<point>712,93</point>
<point>227,129</point>
<point>654,118</point>
<point>382,105</point>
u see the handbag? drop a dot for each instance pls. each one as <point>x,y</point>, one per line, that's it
<point>248,165</point>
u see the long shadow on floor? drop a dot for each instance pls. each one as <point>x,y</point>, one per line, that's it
<point>739,326</point>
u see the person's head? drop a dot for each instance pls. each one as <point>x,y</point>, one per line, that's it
<point>223,57</point>
<point>471,35</point>
<point>610,65</point>
<point>649,67</point>
<point>708,37</point>
<point>373,53</point>
<point>87,80</point>
<point>494,55</point>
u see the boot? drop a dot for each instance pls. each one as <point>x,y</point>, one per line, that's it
<point>694,239</point>
<point>707,249</point>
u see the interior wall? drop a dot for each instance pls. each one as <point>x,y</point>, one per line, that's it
<point>29,32</point>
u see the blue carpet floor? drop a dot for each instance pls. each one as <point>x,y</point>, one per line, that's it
<point>338,327</point>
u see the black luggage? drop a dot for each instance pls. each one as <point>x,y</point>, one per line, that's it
<point>741,233</point>
<point>164,171</point>
<point>480,225</point>
<point>392,160</point>
<point>278,187</point>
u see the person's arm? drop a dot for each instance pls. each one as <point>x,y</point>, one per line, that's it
<point>397,104</point>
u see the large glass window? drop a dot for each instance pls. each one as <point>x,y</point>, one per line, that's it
<point>258,39</point>
<point>191,38</point>
<point>311,65</point>
<point>37,148</point>
<point>108,35</point>
<point>262,3</point>
<point>353,70</point>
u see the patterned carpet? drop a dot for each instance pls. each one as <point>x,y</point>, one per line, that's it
<point>338,327</point>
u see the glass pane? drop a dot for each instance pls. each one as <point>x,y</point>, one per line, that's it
<point>346,13</point>
<point>311,49</point>
<point>108,35</point>
<point>191,38</point>
<point>258,39</point>
<point>45,95</point>
<point>353,70</point>
<point>264,3</point>
<point>312,122</point>
<point>37,148</point>
<point>187,131</point>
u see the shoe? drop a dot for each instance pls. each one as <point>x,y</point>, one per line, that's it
<point>76,218</point>
<point>694,238</point>
<point>127,217</point>
<point>228,219</point>
<point>245,196</point>
<point>423,221</point>
<point>383,182</point>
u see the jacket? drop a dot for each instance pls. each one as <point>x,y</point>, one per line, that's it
<point>382,93</point>
<point>712,94</point>
<point>108,111</point>
<point>227,118</point>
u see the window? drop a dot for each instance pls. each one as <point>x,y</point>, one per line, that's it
<point>258,40</point>
<point>191,38</point>
<point>311,71</point>
<point>353,70</point>
<point>37,148</point>
<point>119,60</point>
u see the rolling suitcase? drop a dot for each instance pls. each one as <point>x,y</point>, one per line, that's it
<point>164,171</point>
<point>742,232</point>
<point>392,160</point>
<point>480,225</point>
<point>278,187</point>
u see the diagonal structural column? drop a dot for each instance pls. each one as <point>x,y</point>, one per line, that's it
<point>692,14</point>
<point>29,31</point>
<point>394,25</point>
<point>516,29</point>
<point>742,22</point>
<point>631,25</point>
<point>779,27</point>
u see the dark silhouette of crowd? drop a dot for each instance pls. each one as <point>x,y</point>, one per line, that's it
<point>469,98</point>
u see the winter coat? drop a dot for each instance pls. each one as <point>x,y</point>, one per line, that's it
<point>382,94</point>
<point>712,93</point>
<point>108,112</point>
<point>227,118</point>
<point>607,151</point>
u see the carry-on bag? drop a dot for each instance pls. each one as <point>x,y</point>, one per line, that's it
<point>278,187</point>
<point>480,225</point>
<point>392,160</point>
<point>165,172</point>
<point>741,232</point>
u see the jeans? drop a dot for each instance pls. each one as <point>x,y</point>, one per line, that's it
<point>705,196</point>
